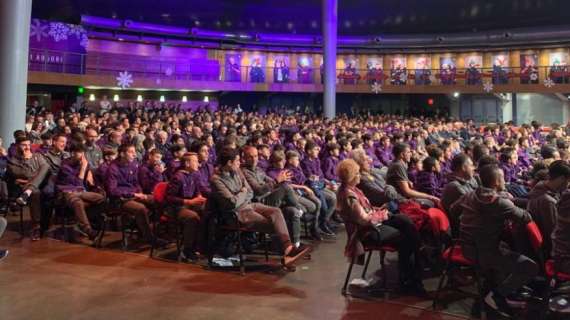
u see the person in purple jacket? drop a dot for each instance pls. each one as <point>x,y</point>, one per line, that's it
<point>264,155</point>
<point>330,161</point>
<point>109,155</point>
<point>371,150</point>
<point>384,151</point>
<point>524,158</point>
<point>70,184</point>
<point>345,148</point>
<point>206,169</point>
<point>152,172</point>
<point>174,163</point>
<point>187,203</point>
<point>311,166</point>
<point>124,189</point>
<point>427,181</point>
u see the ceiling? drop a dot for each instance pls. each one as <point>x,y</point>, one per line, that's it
<point>356,17</point>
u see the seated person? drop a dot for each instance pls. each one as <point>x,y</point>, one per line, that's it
<point>124,190</point>
<point>325,189</point>
<point>461,182</point>
<point>264,152</point>
<point>307,199</point>
<point>428,178</point>
<point>152,172</point>
<point>177,151</point>
<point>109,155</point>
<point>397,176</point>
<point>561,235</point>
<point>206,169</point>
<point>371,181</point>
<point>483,215</point>
<point>3,252</point>
<point>414,167</point>
<point>508,163</point>
<point>330,161</point>
<point>183,195</point>
<point>70,184</point>
<point>231,192</point>
<point>274,192</point>
<point>26,174</point>
<point>544,197</point>
<point>369,225</point>
<point>370,148</point>
<point>384,151</point>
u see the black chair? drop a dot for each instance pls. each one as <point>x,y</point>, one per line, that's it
<point>165,221</point>
<point>225,223</point>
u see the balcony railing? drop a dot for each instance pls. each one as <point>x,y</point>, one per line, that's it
<point>212,70</point>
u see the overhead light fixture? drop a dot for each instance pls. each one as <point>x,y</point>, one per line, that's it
<point>184,99</point>
<point>116,98</point>
<point>92,97</point>
<point>456,94</point>
<point>206,99</point>
<point>161,98</point>
<point>139,98</point>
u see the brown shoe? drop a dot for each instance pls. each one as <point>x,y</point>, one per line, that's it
<point>295,254</point>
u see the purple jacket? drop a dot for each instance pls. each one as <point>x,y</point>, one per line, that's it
<point>203,176</point>
<point>183,185</point>
<point>524,159</point>
<point>100,175</point>
<point>122,179</point>
<point>375,161</point>
<point>329,167</point>
<point>413,176</point>
<point>274,172</point>
<point>298,177</point>
<point>67,179</point>
<point>385,155</point>
<point>212,157</point>
<point>171,168</point>
<point>511,172</point>
<point>312,167</point>
<point>428,183</point>
<point>149,177</point>
<point>263,164</point>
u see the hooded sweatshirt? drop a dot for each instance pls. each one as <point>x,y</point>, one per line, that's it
<point>542,206</point>
<point>483,216</point>
<point>561,234</point>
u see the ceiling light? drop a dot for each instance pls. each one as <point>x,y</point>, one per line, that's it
<point>92,97</point>
<point>116,98</point>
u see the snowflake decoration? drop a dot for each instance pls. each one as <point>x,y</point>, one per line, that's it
<point>488,87</point>
<point>168,72</point>
<point>376,87</point>
<point>38,30</point>
<point>84,41</point>
<point>549,83</point>
<point>124,80</point>
<point>76,30</point>
<point>58,31</point>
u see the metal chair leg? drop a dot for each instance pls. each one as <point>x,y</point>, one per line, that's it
<point>21,221</point>
<point>240,253</point>
<point>343,291</point>
<point>440,284</point>
<point>366,264</point>
<point>266,247</point>
<point>383,266</point>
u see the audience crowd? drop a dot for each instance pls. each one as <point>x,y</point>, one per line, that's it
<point>376,175</point>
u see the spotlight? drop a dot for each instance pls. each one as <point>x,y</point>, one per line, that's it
<point>456,94</point>
<point>92,97</point>
<point>139,98</point>
<point>184,99</point>
<point>162,99</point>
<point>206,99</point>
<point>116,98</point>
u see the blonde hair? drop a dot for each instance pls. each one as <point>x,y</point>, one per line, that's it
<point>347,171</point>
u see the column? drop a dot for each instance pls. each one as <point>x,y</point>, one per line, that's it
<point>15,18</point>
<point>330,21</point>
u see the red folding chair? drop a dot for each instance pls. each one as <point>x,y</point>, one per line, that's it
<point>159,196</point>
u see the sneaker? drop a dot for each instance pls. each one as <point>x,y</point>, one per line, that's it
<point>325,230</point>
<point>295,254</point>
<point>3,254</point>
<point>189,256</point>
<point>35,234</point>
<point>316,234</point>
<point>498,303</point>
<point>89,233</point>
<point>22,200</point>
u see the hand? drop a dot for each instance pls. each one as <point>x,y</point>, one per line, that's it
<point>283,176</point>
<point>160,168</point>
<point>22,181</point>
<point>243,189</point>
<point>308,191</point>
<point>197,201</point>
<point>84,162</point>
<point>140,196</point>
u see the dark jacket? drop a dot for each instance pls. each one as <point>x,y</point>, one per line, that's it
<point>542,203</point>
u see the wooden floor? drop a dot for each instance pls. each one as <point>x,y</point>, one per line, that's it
<point>51,279</point>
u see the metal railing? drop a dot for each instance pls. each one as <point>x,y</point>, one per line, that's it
<point>211,70</point>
